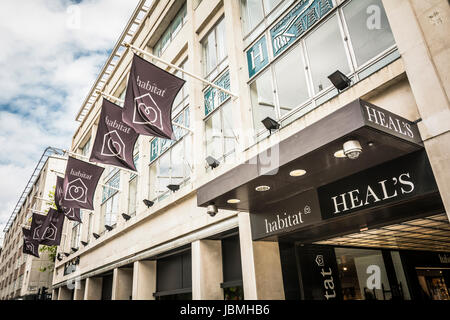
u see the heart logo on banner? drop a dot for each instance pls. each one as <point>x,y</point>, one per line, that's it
<point>29,246</point>
<point>76,193</point>
<point>113,146</point>
<point>70,213</point>
<point>147,113</point>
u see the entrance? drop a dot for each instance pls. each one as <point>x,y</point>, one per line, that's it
<point>434,283</point>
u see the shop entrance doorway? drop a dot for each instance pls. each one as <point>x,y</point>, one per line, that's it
<point>434,283</point>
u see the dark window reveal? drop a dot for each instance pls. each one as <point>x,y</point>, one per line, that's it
<point>174,275</point>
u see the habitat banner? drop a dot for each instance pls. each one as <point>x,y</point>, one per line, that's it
<point>80,182</point>
<point>71,213</point>
<point>47,230</point>
<point>149,98</point>
<point>115,140</point>
<point>30,246</point>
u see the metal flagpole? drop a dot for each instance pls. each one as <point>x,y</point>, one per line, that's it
<point>100,184</point>
<point>129,45</point>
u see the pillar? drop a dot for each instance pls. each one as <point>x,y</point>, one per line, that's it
<point>122,284</point>
<point>79,290</point>
<point>64,293</point>
<point>207,272</point>
<point>144,280</point>
<point>93,289</point>
<point>261,265</point>
<point>420,30</point>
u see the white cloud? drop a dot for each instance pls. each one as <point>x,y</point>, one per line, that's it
<point>48,63</point>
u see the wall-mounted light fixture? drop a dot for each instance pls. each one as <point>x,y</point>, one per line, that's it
<point>213,163</point>
<point>173,187</point>
<point>339,80</point>
<point>126,217</point>
<point>96,236</point>
<point>108,227</point>
<point>270,124</point>
<point>84,243</point>
<point>148,203</point>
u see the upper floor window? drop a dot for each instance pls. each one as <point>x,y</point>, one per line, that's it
<point>76,234</point>
<point>292,78</point>
<point>254,11</point>
<point>86,148</point>
<point>110,198</point>
<point>133,184</point>
<point>214,51</point>
<point>171,31</point>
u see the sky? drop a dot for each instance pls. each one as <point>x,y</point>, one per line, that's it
<point>51,52</point>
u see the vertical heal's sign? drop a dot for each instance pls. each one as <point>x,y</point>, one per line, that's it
<point>80,182</point>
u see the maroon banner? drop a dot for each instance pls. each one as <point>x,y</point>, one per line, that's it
<point>30,246</point>
<point>73,214</point>
<point>47,230</point>
<point>149,98</point>
<point>115,140</point>
<point>80,183</point>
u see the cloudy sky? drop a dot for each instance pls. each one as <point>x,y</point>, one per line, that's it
<point>51,53</point>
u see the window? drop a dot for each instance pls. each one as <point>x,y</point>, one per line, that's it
<point>368,37</point>
<point>132,188</point>
<point>76,234</point>
<point>292,81</point>
<point>181,100</point>
<point>214,51</point>
<point>326,53</point>
<point>220,137</point>
<point>254,11</point>
<point>86,148</point>
<point>171,31</point>
<point>110,199</point>
<point>173,167</point>
<point>90,226</point>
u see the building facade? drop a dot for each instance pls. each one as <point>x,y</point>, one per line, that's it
<point>24,276</point>
<point>319,192</point>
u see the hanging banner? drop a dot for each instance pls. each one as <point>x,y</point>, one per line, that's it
<point>73,214</point>
<point>115,140</point>
<point>80,182</point>
<point>149,98</point>
<point>30,246</point>
<point>47,230</point>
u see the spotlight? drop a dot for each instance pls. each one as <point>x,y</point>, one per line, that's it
<point>270,124</point>
<point>84,243</point>
<point>96,236</point>
<point>173,187</point>
<point>352,149</point>
<point>213,163</point>
<point>126,217</point>
<point>339,80</point>
<point>212,210</point>
<point>109,228</point>
<point>148,203</point>
<point>74,249</point>
<point>66,254</point>
<point>58,256</point>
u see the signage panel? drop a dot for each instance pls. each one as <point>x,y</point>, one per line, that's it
<point>287,215</point>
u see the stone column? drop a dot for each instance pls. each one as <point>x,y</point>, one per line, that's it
<point>122,284</point>
<point>420,30</point>
<point>144,280</point>
<point>79,290</point>
<point>64,293</point>
<point>93,289</point>
<point>55,294</point>
<point>207,272</point>
<point>261,265</point>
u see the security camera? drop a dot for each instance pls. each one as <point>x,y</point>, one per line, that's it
<point>352,149</point>
<point>212,210</point>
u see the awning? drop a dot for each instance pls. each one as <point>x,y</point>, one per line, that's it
<point>383,136</point>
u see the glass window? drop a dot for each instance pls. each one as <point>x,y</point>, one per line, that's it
<point>269,5</point>
<point>85,148</point>
<point>171,31</point>
<point>110,205</point>
<point>214,50</point>
<point>132,191</point>
<point>292,89</point>
<point>363,274</point>
<point>369,29</point>
<point>326,53</point>
<point>90,226</point>
<point>76,233</point>
<point>251,13</point>
<point>263,102</point>
<point>220,137</point>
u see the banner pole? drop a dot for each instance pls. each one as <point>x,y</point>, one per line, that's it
<point>129,45</point>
